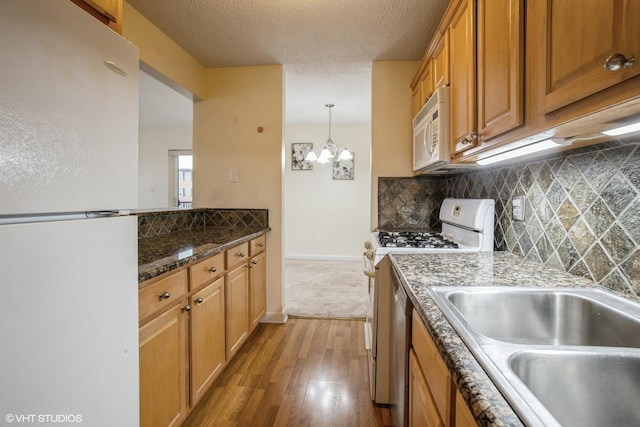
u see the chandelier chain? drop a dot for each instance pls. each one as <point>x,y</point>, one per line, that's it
<point>329,106</point>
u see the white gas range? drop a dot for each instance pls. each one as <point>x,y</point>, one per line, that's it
<point>467,226</point>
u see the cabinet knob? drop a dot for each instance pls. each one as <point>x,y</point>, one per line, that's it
<point>164,295</point>
<point>199,300</point>
<point>213,269</point>
<point>261,244</point>
<point>240,254</point>
<point>186,308</point>
<point>475,135</point>
<point>254,262</point>
<point>618,61</point>
<point>465,141</point>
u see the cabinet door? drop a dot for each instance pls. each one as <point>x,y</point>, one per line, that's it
<point>237,309</point>
<point>163,369</point>
<point>257,289</point>
<point>207,337</point>
<point>464,417</point>
<point>416,100</point>
<point>109,12</point>
<point>422,408</point>
<point>441,63</point>
<point>500,45</point>
<point>579,37</point>
<point>426,83</point>
<point>463,71</point>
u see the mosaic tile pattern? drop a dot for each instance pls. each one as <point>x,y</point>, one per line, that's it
<point>582,209</point>
<point>166,222</point>
<point>410,202</point>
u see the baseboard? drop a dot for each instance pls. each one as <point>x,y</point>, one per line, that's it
<point>323,257</point>
<point>274,318</point>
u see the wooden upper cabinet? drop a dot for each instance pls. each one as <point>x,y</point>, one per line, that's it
<point>487,71</point>
<point>463,77</point>
<point>579,38</point>
<point>422,87</point>
<point>441,63</point>
<point>416,100</point>
<point>500,44</point>
<point>426,84</point>
<point>109,12</point>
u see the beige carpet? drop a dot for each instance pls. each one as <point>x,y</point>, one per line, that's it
<point>325,289</point>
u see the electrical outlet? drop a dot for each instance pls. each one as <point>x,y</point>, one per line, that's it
<point>517,204</point>
<point>233,175</point>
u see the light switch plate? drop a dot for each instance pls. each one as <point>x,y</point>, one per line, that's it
<point>517,204</point>
<point>233,175</point>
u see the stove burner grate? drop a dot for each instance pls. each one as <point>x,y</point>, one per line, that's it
<point>410,239</point>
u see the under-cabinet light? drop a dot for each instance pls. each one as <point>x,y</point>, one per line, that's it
<point>545,144</point>
<point>633,127</point>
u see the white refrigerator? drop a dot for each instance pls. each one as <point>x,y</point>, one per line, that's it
<point>68,251</point>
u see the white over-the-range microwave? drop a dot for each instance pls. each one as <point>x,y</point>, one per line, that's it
<point>431,135</point>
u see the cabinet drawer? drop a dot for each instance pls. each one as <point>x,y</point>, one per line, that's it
<point>257,245</point>
<point>435,371</point>
<point>206,270</point>
<point>161,294</point>
<point>237,255</point>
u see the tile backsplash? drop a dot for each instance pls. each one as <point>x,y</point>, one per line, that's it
<point>158,223</point>
<point>582,209</point>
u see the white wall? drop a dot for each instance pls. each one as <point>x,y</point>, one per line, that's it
<point>326,218</point>
<point>153,162</point>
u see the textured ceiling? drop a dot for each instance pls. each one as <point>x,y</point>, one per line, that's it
<point>326,46</point>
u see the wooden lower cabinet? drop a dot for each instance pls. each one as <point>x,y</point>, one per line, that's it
<point>422,407</point>
<point>257,289</point>
<point>464,417</point>
<point>207,321</point>
<point>192,322</point>
<point>237,308</point>
<point>163,369</point>
<point>433,398</point>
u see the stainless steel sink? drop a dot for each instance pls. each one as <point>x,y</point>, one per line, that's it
<point>597,390</point>
<point>560,356</point>
<point>540,316</point>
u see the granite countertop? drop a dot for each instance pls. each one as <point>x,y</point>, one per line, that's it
<point>418,272</point>
<point>160,254</point>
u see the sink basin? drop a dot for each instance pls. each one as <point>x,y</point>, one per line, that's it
<point>541,316</point>
<point>582,388</point>
<point>560,356</point>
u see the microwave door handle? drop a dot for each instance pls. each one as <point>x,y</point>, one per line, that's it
<point>425,138</point>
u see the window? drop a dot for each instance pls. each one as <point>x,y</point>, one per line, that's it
<point>185,185</point>
<point>181,184</point>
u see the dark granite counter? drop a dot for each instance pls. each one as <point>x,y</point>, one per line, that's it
<point>418,272</point>
<point>170,239</point>
<point>159,254</point>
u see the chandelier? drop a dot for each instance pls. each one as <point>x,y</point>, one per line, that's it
<point>329,149</point>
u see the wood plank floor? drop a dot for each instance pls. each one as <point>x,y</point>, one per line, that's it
<point>307,372</point>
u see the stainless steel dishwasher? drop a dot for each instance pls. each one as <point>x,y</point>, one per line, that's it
<point>400,341</point>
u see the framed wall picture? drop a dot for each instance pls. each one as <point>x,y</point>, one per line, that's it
<point>299,151</point>
<point>343,169</point>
